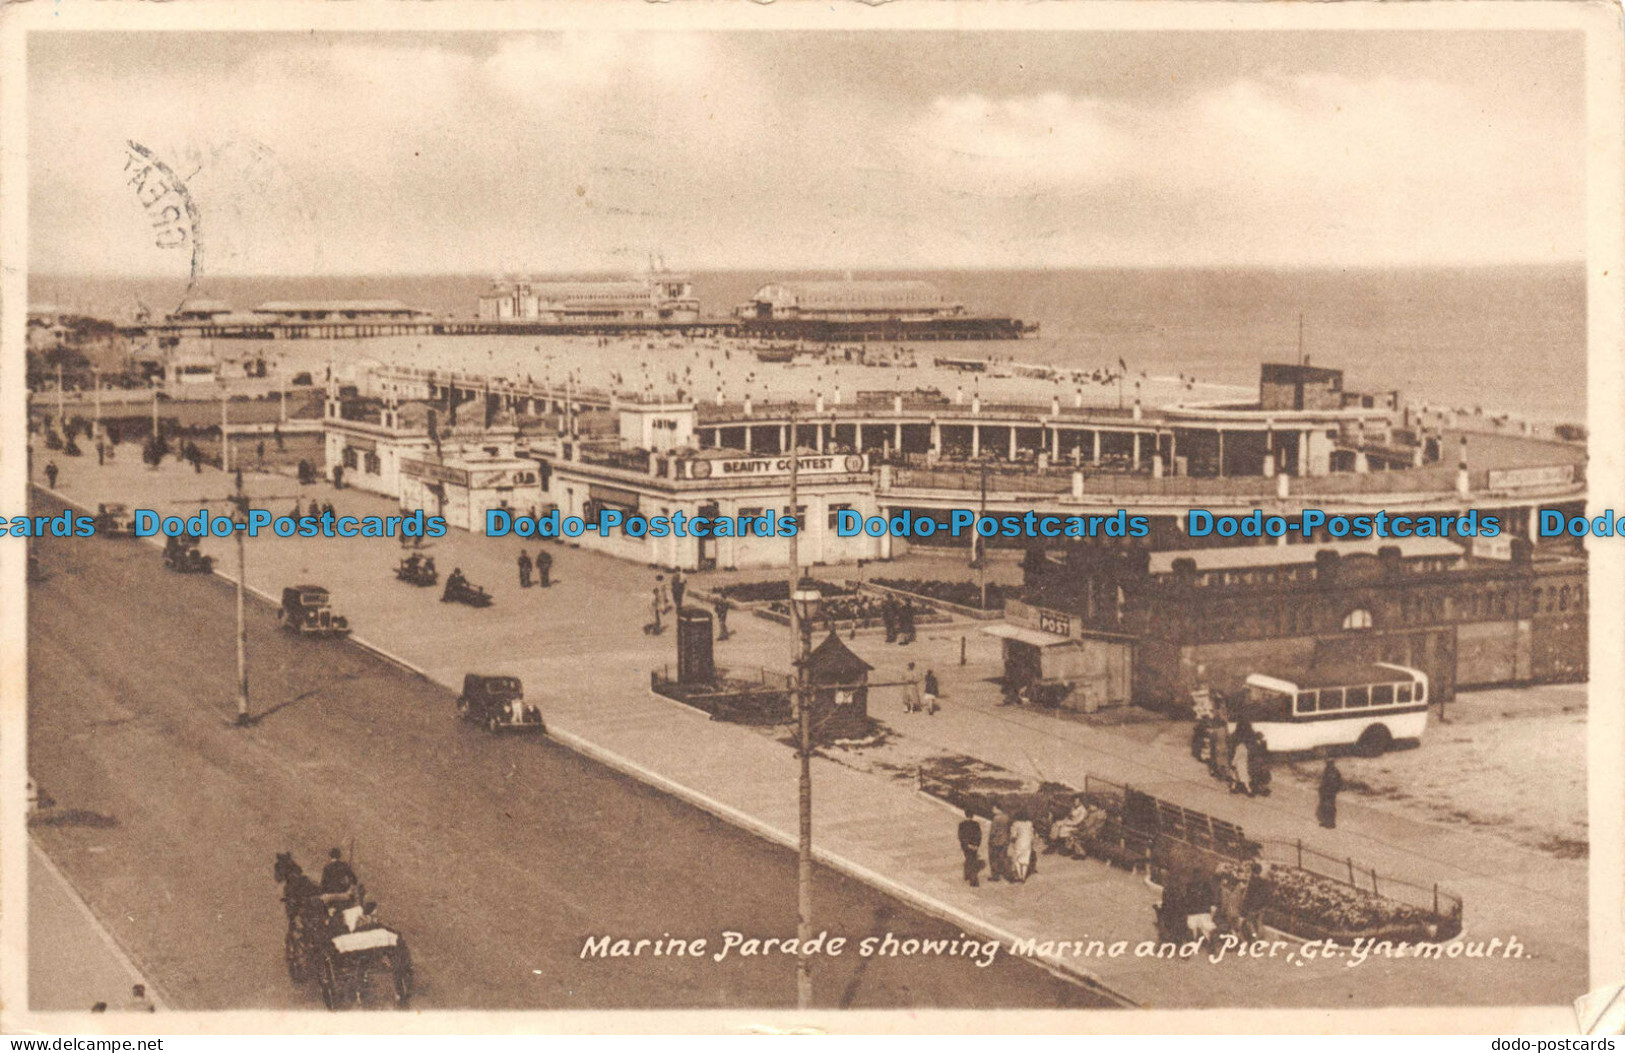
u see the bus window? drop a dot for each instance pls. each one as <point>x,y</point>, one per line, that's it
<point>1402,692</point>
<point>1265,705</point>
<point>1358,697</point>
<point>1331,698</point>
<point>1382,695</point>
<point>1306,701</point>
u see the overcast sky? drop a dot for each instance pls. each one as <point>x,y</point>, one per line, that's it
<point>480,153</point>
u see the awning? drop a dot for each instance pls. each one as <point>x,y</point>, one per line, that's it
<point>1033,637</point>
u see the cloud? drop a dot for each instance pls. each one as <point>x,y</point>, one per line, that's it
<point>574,151</point>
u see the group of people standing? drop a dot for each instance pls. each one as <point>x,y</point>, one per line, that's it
<point>1011,852</point>
<point>542,565</point>
<point>1237,756</point>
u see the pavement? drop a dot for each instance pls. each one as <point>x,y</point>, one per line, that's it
<point>580,650</point>
<point>73,961</point>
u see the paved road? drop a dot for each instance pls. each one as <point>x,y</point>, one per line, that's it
<point>496,856</point>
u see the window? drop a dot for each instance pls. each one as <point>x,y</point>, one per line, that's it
<point>1307,701</point>
<point>1563,599</point>
<point>351,460</point>
<point>374,464</point>
<point>1358,618</point>
<point>1331,698</point>
<point>834,512</point>
<point>1402,692</point>
<point>1382,695</point>
<point>1358,697</point>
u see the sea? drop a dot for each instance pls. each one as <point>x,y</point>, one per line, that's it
<point>1491,339</point>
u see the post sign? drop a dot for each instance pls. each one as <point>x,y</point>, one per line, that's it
<point>1498,547</point>
<point>439,473</point>
<point>1054,622</point>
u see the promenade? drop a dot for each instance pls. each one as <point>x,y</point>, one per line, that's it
<point>583,656</point>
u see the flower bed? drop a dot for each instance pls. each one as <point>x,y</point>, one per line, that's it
<point>1315,906</point>
<point>959,593</point>
<point>778,589</point>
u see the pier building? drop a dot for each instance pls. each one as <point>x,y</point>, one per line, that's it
<point>658,297</point>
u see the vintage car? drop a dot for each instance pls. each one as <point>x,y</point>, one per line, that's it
<point>458,590</point>
<point>181,554</point>
<point>308,610</point>
<point>114,520</point>
<point>415,570</point>
<point>498,703</point>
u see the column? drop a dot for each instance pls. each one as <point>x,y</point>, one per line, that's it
<point>1303,453</point>
<point>1221,453</point>
<point>1096,434</point>
<point>936,437</point>
<point>1136,450</point>
<point>748,430</point>
<point>785,439</point>
<point>975,440</point>
<point>857,436</point>
<point>1012,442</point>
<point>897,437</point>
<point>1055,444</point>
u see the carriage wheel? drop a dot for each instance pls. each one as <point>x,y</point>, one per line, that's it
<point>401,960</point>
<point>329,982</point>
<point>294,952</point>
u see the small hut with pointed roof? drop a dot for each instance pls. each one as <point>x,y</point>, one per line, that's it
<point>840,691</point>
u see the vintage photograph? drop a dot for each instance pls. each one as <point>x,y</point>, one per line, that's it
<point>737,509</point>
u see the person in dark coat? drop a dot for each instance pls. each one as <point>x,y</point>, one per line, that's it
<point>50,475</point>
<point>998,846</point>
<point>1331,783</point>
<point>905,624</point>
<point>337,875</point>
<point>678,586</point>
<point>544,569</point>
<point>722,607</point>
<point>524,570</point>
<point>888,614</point>
<point>970,843</point>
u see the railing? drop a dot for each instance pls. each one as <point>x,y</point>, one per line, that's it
<point>1442,904</point>
<point>627,460</point>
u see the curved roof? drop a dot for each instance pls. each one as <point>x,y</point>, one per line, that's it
<point>904,293</point>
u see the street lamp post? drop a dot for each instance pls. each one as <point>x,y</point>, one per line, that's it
<point>240,509</point>
<point>805,599</point>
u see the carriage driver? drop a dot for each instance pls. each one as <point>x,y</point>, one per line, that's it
<point>455,582</point>
<point>337,875</point>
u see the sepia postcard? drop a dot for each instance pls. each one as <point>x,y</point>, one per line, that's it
<point>1072,517</point>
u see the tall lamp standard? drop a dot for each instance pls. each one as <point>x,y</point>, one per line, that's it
<point>805,601</point>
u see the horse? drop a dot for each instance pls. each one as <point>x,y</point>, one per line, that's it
<point>298,890</point>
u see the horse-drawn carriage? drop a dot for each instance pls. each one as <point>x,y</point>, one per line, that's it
<point>308,611</point>
<point>417,570</point>
<point>181,554</point>
<point>335,939</point>
<point>498,704</point>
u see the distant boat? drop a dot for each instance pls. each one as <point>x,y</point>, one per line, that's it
<point>964,365</point>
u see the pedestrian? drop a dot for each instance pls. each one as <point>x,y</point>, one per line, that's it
<point>888,614</point>
<point>722,606</point>
<point>101,453</point>
<point>928,696</point>
<point>50,475</point>
<point>259,451</point>
<point>337,875</point>
<point>1241,767</point>
<point>970,843</point>
<point>1219,761</point>
<point>911,692</point>
<point>139,1002</point>
<point>1331,783</point>
<point>905,624</point>
<point>1022,858</point>
<point>678,587</point>
<point>338,477</point>
<point>544,568</point>
<point>524,570</point>
<point>1010,693</point>
<point>998,845</point>
<point>1259,758</point>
